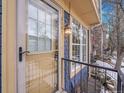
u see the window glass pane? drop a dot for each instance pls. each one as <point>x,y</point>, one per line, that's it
<point>76,52</point>
<point>41,29</point>
<point>32,11</point>
<point>75,33</point>
<point>41,15</point>
<point>84,39</point>
<point>48,18</point>
<point>48,31</point>
<point>48,44</point>
<point>32,27</point>
<point>55,31</point>
<point>48,37</point>
<point>32,43</point>
<point>55,19</point>
<point>84,53</point>
<point>41,44</point>
<point>84,36</point>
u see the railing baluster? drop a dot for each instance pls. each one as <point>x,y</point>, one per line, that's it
<point>75,79</point>
<point>95,80</point>
<point>119,83</point>
<point>69,77</point>
<point>105,82</point>
<point>65,72</point>
<point>81,90</point>
<point>87,78</point>
<point>122,88</point>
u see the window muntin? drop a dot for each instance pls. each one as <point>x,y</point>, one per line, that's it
<point>42,28</point>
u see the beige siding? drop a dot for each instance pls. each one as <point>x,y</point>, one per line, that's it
<point>9,46</point>
<point>4,84</point>
<point>40,61</point>
<point>41,73</point>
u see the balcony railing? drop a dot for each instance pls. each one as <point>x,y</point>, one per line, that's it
<point>87,78</point>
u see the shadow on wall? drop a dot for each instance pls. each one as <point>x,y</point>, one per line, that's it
<point>73,84</point>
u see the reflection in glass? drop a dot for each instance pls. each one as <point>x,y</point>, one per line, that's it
<point>41,29</point>
<point>48,18</point>
<point>78,42</point>
<point>41,44</point>
<point>41,15</point>
<point>32,43</point>
<point>48,44</point>
<point>48,31</point>
<point>43,24</point>
<point>32,11</point>
<point>32,27</point>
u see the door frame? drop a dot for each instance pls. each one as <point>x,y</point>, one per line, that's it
<point>22,25</point>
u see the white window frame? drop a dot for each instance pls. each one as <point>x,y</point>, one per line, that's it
<point>73,72</point>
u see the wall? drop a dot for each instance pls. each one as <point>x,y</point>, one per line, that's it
<point>0,42</point>
<point>9,46</point>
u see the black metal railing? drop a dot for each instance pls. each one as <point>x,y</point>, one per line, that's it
<point>120,82</point>
<point>88,78</point>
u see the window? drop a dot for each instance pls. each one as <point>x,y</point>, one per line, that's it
<point>42,28</point>
<point>78,42</point>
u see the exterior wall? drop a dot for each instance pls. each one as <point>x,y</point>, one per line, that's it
<point>0,44</point>
<point>64,7</point>
<point>9,46</point>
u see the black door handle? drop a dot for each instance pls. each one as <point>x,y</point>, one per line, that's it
<point>21,52</point>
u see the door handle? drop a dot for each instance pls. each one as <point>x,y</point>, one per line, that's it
<point>21,52</point>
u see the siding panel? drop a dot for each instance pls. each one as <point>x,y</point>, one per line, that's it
<point>0,42</point>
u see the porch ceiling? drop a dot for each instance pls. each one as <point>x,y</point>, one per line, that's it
<point>84,9</point>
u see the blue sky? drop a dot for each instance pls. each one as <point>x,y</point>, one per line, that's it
<point>108,13</point>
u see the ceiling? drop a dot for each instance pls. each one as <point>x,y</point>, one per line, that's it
<point>84,9</point>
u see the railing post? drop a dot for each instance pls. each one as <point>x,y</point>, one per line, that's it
<point>81,90</point>
<point>95,79</point>
<point>87,78</point>
<point>105,81</point>
<point>69,91</point>
<point>118,84</point>
<point>75,79</point>
<point>122,88</point>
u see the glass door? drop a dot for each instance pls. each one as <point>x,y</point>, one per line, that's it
<point>42,42</point>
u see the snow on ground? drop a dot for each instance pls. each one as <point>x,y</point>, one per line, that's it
<point>122,64</point>
<point>104,64</point>
<point>112,74</point>
<point>113,60</point>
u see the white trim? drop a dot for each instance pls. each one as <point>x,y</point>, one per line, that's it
<point>59,63</point>
<point>82,28</point>
<point>21,36</point>
<point>86,46</point>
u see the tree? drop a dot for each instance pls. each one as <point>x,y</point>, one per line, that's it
<point>114,20</point>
